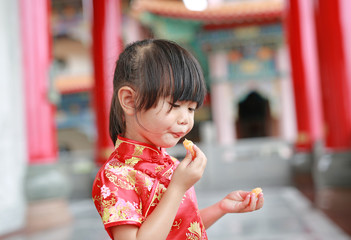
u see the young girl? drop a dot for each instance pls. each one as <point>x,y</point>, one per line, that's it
<point>141,192</point>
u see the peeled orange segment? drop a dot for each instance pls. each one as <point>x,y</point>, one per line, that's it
<point>189,146</point>
<point>256,191</point>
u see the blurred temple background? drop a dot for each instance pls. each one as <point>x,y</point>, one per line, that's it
<point>277,114</point>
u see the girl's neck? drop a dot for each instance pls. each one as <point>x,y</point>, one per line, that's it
<point>136,140</point>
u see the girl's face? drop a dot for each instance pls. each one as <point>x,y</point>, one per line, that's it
<point>164,125</point>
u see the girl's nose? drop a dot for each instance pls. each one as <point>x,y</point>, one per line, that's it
<point>183,119</point>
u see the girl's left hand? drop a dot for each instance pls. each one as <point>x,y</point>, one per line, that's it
<point>241,201</point>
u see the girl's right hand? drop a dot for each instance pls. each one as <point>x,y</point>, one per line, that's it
<point>189,171</point>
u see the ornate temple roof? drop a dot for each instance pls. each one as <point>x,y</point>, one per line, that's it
<point>226,12</point>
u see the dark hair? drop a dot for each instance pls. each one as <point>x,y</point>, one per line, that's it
<point>155,68</point>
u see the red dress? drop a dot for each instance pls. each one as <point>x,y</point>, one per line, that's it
<point>131,183</point>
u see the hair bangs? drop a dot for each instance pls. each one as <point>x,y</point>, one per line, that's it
<point>157,74</point>
<point>188,82</point>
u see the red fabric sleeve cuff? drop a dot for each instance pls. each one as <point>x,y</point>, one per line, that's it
<point>126,222</point>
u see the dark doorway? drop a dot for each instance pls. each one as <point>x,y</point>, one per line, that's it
<point>254,117</point>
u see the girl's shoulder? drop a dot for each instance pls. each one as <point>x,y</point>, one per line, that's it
<point>115,163</point>
<point>115,174</point>
<point>113,166</point>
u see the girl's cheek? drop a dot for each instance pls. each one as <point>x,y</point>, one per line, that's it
<point>191,125</point>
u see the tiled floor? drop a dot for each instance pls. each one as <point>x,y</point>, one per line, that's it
<point>286,215</point>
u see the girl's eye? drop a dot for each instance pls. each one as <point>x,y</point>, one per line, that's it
<point>174,105</point>
<point>178,105</point>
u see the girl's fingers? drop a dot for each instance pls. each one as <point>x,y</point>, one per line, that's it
<point>260,201</point>
<point>200,160</point>
<point>198,165</point>
<point>198,151</point>
<point>252,204</point>
<point>247,200</point>
<point>187,159</point>
<point>256,202</point>
<point>245,204</point>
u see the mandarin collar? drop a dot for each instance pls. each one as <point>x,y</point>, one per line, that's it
<point>137,149</point>
<point>145,158</point>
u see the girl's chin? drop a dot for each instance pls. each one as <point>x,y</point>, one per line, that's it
<point>169,144</point>
<point>166,141</point>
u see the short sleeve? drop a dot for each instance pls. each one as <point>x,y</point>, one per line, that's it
<point>115,197</point>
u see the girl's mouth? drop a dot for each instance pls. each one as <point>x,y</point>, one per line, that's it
<point>178,135</point>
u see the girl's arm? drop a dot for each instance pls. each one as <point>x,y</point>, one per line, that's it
<point>234,202</point>
<point>159,223</point>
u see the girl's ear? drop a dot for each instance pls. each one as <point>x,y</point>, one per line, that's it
<point>126,97</point>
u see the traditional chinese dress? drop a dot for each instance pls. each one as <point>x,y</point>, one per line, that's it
<point>131,183</point>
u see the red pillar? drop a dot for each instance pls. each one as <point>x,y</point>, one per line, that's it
<point>36,48</point>
<point>107,46</point>
<point>45,199</point>
<point>332,175</point>
<point>334,35</point>
<point>300,32</point>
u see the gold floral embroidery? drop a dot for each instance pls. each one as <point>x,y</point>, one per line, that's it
<point>168,174</point>
<point>159,168</point>
<point>125,210</point>
<point>132,161</point>
<point>106,215</point>
<point>118,142</point>
<point>96,198</point>
<point>148,183</point>
<point>126,182</point>
<point>138,150</point>
<point>113,164</point>
<point>108,203</point>
<point>177,223</point>
<point>131,177</point>
<point>160,190</point>
<point>158,195</point>
<point>195,231</point>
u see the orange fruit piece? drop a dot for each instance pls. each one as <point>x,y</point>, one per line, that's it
<point>256,191</point>
<point>189,146</point>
